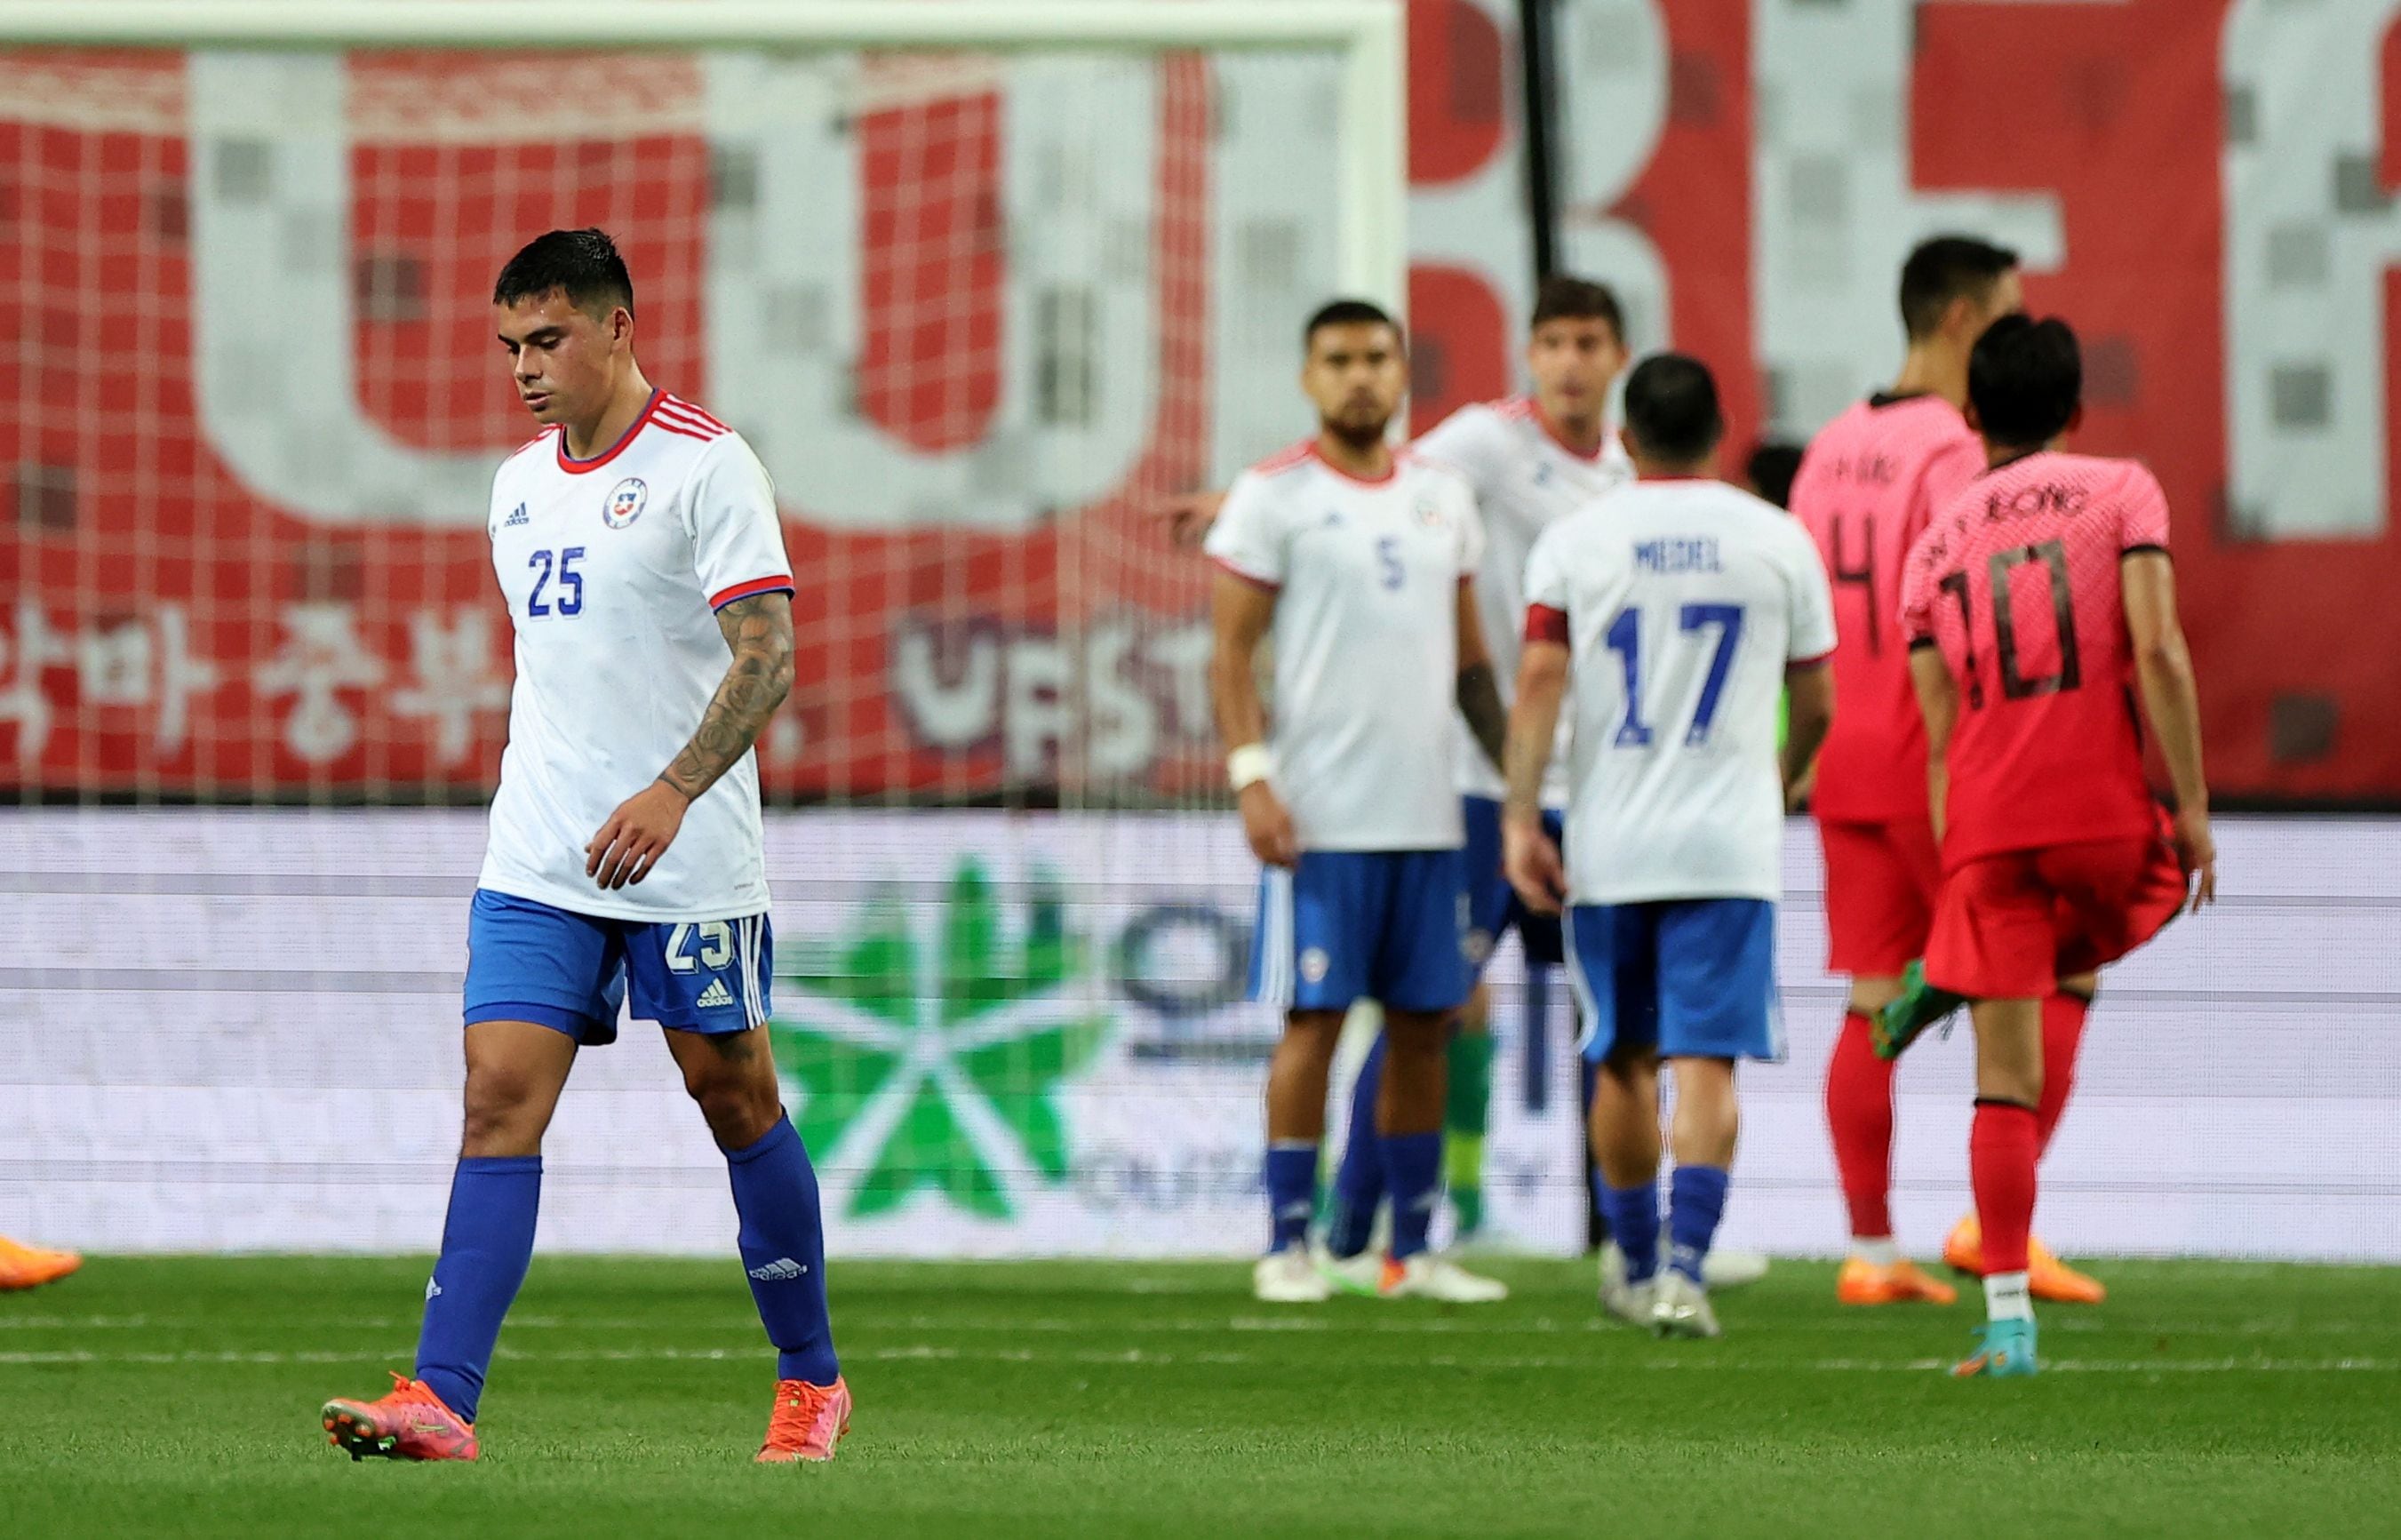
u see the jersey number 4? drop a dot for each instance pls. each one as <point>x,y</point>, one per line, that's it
<point>1626,640</point>
<point>570,582</point>
<point>2015,686</point>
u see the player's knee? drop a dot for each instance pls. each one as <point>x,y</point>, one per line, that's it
<point>2010,1082</point>
<point>739,1104</point>
<point>506,1111</point>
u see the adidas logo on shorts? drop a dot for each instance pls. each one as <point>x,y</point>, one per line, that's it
<point>715,995</point>
<point>782,1270</point>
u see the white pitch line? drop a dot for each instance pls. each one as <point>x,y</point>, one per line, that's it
<point>1137,1357</point>
<point>1344,1320</point>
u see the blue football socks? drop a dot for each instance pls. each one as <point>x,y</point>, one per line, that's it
<point>1633,1216</point>
<point>1413,1176</point>
<point>1359,1181</point>
<point>783,1250</point>
<point>1697,1200</point>
<point>486,1244</point>
<point>1292,1190</point>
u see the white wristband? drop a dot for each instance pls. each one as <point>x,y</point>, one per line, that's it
<point>1249,765</point>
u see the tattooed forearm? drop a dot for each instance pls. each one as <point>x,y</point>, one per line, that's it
<point>1479,702</point>
<point>759,631</point>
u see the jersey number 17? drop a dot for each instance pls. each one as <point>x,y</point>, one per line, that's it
<point>1625,637</point>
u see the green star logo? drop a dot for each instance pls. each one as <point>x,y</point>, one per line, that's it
<point>930,1050</point>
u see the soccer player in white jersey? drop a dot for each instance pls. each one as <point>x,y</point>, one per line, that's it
<point>1530,460</point>
<point>639,551</point>
<point>1358,563</point>
<point>1676,612</point>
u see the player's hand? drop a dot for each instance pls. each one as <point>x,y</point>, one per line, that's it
<point>1267,823</point>
<point>1187,517</point>
<point>629,846</point>
<point>2197,849</point>
<point>1533,866</point>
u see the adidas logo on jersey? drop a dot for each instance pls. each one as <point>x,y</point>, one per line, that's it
<point>715,995</point>
<point>517,516</point>
<point>782,1270</point>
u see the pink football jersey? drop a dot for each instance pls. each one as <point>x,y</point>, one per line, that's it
<point>2017,581</point>
<point>1865,490</point>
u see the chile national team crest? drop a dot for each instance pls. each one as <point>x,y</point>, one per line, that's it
<point>625,501</point>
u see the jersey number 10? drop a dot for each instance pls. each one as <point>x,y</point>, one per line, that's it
<point>1625,637</point>
<point>2052,554</point>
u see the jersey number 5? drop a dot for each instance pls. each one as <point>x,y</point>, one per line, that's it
<point>1626,640</point>
<point>2052,554</point>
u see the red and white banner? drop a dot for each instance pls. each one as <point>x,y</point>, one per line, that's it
<point>976,316</point>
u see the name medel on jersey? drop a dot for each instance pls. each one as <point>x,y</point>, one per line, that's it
<point>613,568</point>
<point>1524,480</point>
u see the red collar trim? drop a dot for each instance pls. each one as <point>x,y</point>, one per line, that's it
<point>1550,431</point>
<point>1319,455</point>
<point>575,467</point>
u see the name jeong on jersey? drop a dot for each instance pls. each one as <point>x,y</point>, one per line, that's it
<point>2044,497</point>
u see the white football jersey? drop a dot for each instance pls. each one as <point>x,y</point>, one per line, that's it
<point>1367,650</point>
<point>1682,603</point>
<point>613,568</point>
<point>1524,480</point>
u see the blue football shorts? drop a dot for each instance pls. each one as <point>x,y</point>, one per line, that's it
<point>528,961</point>
<point>1493,907</point>
<point>1693,978</point>
<point>1350,924</point>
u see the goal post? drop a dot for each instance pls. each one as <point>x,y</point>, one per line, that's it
<point>983,283</point>
<point>1372,151</point>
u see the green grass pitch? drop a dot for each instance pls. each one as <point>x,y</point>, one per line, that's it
<point>179,1396</point>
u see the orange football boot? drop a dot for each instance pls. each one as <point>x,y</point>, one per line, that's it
<point>809,1421</point>
<point>2047,1276</point>
<point>410,1424</point>
<point>1863,1283</point>
<point>30,1267</point>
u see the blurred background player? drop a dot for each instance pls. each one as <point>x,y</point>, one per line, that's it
<point>1530,461</point>
<point>1865,489</point>
<point>30,1266</point>
<point>1358,563</point>
<point>1767,473</point>
<point>2040,603</point>
<point>1676,611</point>
<point>642,560</point>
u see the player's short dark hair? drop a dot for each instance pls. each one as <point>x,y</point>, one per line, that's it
<point>1946,269</point>
<point>1671,408</point>
<point>1347,312</point>
<point>2026,381</point>
<point>1771,468</point>
<point>583,265</point>
<point>1564,298</point>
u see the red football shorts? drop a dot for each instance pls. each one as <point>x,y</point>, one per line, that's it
<point>2007,927</point>
<point>1881,881</point>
